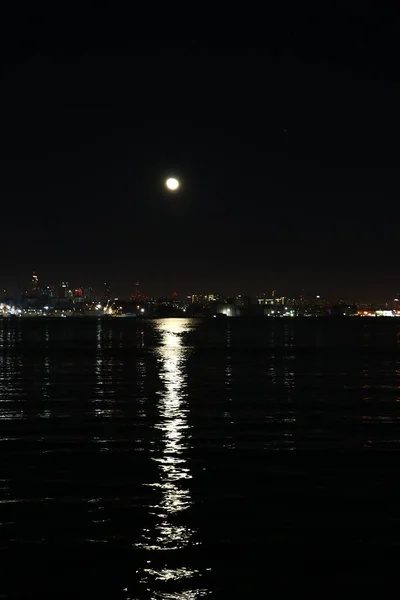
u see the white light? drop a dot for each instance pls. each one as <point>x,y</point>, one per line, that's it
<point>142,310</point>
<point>172,184</point>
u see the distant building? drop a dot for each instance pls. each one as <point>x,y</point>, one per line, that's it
<point>62,303</point>
<point>47,291</point>
<point>63,289</point>
<point>137,290</point>
<point>344,310</point>
<point>243,301</point>
<point>273,301</point>
<point>88,294</point>
<point>35,285</point>
<point>202,298</point>
<point>78,296</point>
<point>106,292</point>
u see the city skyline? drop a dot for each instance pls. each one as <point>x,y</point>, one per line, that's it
<point>106,291</point>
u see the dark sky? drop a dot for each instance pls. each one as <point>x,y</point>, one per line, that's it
<point>284,131</point>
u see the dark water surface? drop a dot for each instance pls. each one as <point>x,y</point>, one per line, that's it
<point>181,459</point>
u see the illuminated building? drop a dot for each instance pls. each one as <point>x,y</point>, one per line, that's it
<point>35,286</point>
<point>137,292</point>
<point>47,291</point>
<point>378,313</point>
<point>203,298</point>
<point>88,293</point>
<point>63,289</point>
<point>106,292</point>
<point>262,300</point>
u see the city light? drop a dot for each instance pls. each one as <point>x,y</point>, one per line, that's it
<point>64,300</point>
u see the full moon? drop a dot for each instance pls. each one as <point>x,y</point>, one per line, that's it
<point>172,183</point>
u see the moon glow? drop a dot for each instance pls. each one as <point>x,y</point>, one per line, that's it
<point>172,184</point>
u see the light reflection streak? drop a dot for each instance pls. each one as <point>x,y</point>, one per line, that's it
<point>272,366</point>
<point>103,372</point>
<point>272,378</point>
<point>46,413</point>
<point>289,383</point>
<point>367,395</point>
<point>173,410</point>
<point>141,373</point>
<point>230,442</point>
<point>174,473</point>
<point>11,390</point>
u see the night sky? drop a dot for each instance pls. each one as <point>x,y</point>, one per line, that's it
<point>284,132</point>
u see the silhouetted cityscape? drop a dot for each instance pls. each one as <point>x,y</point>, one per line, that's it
<point>65,300</point>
